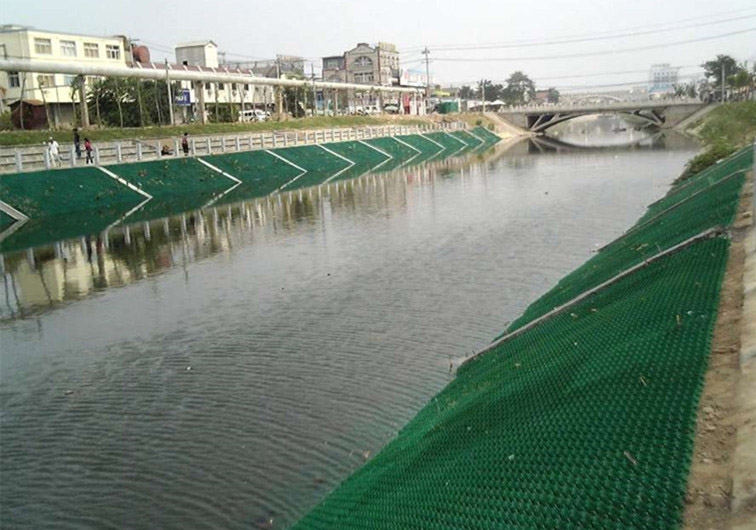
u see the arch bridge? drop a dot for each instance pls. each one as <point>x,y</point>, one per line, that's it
<point>660,114</point>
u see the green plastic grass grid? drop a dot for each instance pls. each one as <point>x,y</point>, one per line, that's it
<point>449,142</point>
<point>364,157</point>
<point>55,192</point>
<point>584,421</point>
<point>740,161</point>
<point>466,137</point>
<point>394,148</point>
<point>5,220</point>
<point>260,172</point>
<point>485,133</point>
<point>423,144</point>
<point>319,163</point>
<point>172,177</point>
<point>715,207</point>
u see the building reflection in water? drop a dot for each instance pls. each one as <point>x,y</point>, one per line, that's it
<point>40,278</point>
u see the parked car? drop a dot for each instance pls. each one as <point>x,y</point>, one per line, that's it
<point>391,108</point>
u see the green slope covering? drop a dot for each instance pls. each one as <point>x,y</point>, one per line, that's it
<point>364,158</point>
<point>55,192</point>
<point>449,142</point>
<point>482,132</point>
<point>717,206</point>
<point>396,149</point>
<point>5,220</point>
<point>320,165</point>
<point>740,160</point>
<point>423,144</point>
<point>173,177</point>
<point>584,421</point>
<point>467,138</point>
<point>261,173</point>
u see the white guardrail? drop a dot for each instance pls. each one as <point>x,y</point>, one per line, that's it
<point>36,157</point>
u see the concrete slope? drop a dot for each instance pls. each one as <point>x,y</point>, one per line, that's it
<point>504,128</point>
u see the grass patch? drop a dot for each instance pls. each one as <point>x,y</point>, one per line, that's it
<point>12,138</point>
<point>723,131</point>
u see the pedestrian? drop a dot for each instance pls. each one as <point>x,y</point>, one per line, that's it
<point>88,149</point>
<point>185,143</point>
<point>77,142</point>
<point>52,149</point>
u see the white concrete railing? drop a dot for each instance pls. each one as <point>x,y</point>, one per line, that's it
<point>571,107</point>
<point>36,157</point>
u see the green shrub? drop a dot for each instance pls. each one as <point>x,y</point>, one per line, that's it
<point>5,121</point>
<point>710,156</point>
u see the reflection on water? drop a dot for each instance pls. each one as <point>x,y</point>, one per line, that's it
<point>606,130</point>
<point>226,367</point>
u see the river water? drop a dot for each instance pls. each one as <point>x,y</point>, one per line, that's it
<point>226,369</point>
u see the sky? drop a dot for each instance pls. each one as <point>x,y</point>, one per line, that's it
<point>498,37</point>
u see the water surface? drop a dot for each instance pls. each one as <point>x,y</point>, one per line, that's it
<point>228,367</point>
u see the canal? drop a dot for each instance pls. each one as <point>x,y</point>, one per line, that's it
<point>226,369</point>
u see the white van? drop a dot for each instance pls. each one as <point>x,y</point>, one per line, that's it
<point>253,115</point>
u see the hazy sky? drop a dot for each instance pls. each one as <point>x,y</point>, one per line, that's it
<point>327,27</point>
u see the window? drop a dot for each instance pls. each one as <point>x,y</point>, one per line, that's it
<point>363,61</point>
<point>13,80</point>
<point>91,49</point>
<point>46,80</point>
<point>363,78</point>
<point>112,51</point>
<point>68,48</point>
<point>221,87</point>
<point>43,46</point>
<point>246,87</point>
<point>69,80</point>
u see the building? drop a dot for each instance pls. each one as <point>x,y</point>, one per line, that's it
<point>334,69</point>
<point>198,53</point>
<point>662,78</point>
<point>205,55</point>
<point>53,91</point>
<point>370,65</point>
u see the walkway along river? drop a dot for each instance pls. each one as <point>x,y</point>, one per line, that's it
<point>217,370</point>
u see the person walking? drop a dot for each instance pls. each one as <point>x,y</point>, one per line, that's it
<point>88,149</point>
<point>53,151</point>
<point>77,142</point>
<point>185,143</point>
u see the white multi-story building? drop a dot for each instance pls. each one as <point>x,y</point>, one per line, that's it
<point>54,89</point>
<point>204,55</point>
<point>662,78</point>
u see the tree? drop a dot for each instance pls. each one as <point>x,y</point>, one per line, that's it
<point>553,95</point>
<point>466,92</point>
<point>491,91</point>
<point>713,68</point>
<point>520,89</point>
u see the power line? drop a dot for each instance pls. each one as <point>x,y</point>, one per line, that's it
<point>462,47</point>
<point>526,42</point>
<point>577,76</point>
<point>593,54</point>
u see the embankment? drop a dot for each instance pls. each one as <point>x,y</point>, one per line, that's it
<point>97,196</point>
<point>584,415</point>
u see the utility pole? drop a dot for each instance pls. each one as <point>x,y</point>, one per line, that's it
<point>723,82</point>
<point>170,92</point>
<point>426,52</point>
<point>314,94</point>
<point>380,78</point>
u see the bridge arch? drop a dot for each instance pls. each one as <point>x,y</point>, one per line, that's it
<point>542,122</point>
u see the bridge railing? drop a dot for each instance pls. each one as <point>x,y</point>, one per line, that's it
<point>569,106</point>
